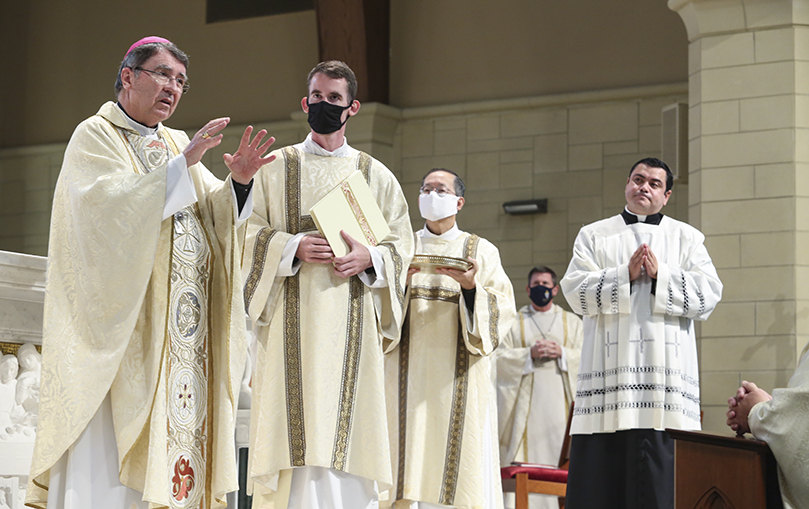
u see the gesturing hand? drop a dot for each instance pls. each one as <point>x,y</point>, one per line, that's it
<point>205,139</point>
<point>248,159</point>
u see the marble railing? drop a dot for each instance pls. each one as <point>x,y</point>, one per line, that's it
<point>22,293</point>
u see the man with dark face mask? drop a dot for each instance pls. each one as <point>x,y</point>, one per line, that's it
<point>537,367</point>
<point>318,435</point>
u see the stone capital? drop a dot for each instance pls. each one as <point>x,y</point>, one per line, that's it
<point>709,17</point>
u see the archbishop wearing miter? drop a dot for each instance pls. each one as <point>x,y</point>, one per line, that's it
<point>441,406</point>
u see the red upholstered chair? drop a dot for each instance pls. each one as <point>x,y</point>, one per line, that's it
<point>525,479</point>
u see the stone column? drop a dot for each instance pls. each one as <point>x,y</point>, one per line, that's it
<point>748,186</point>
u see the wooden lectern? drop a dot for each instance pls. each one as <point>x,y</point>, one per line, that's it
<point>721,472</point>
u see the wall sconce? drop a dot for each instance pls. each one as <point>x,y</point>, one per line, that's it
<point>526,207</point>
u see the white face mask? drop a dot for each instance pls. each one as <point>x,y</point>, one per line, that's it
<point>434,207</point>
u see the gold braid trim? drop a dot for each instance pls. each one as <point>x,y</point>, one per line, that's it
<point>292,317</point>
<point>449,483</point>
<point>262,245</point>
<point>435,293</point>
<point>351,361</point>
<point>404,367</point>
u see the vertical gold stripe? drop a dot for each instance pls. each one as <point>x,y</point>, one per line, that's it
<point>494,318</point>
<point>348,386</point>
<point>292,320</point>
<point>455,436</point>
<point>398,266</point>
<point>260,249</point>
<point>404,367</point>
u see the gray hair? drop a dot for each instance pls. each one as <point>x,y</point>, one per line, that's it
<point>141,54</point>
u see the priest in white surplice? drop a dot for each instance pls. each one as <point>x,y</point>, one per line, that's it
<point>441,403</point>
<point>639,279</point>
<point>144,336</point>
<point>781,420</point>
<point>319,434</point>
<point>537,365</point>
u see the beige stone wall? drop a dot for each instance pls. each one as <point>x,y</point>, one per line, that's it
<point>575,150</point>
<point>61,56</point>
<point>749,133</point>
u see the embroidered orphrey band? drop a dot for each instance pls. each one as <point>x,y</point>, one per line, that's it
<point>435,293</point>
<point>260,248</point>
<point>292,332</point>
<point>351,363</point>
<point>460,390</point>
<point>397,271</point>
<point>404,367</point>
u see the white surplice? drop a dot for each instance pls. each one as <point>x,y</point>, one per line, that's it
<point>639,359</point>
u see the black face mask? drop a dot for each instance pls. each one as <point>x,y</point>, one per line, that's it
<point>541,295</point>
<point>324,117</point>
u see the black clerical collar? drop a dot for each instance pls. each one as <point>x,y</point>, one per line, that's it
<point>132,119</point>
<point>630,218</point>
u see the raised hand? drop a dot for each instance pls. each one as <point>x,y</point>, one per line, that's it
<point>248,159</point>
<point>205,139</point>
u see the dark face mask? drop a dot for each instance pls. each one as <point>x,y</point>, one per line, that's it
<point>324,117</point>
<point>541,295</point>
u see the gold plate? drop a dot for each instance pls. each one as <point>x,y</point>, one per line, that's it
<point>428,263</point>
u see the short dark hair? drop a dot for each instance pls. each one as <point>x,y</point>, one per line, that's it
<point>460,188</point>
<point>144,52</point>
<point>542,269</point>
<point>653,162</point>
<point>335,70</point>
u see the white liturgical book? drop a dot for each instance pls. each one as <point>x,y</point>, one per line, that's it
<point>350,207</point>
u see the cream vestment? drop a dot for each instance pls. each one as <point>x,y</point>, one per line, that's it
<point>146,310</point>
<point>783,423</point>
<point>439,379</point>
<point>318,388</point>
<point>534,395</point>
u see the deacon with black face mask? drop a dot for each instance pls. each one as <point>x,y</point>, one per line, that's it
<point>537,366</point>
<point>322,321</point>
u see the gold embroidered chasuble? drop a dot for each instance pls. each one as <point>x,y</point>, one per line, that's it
<point>318,390</point>
<point>439,379</point>
<point>149,310</point>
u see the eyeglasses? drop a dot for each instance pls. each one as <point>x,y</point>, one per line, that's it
<point>440,191</point>
<point>164,79</point>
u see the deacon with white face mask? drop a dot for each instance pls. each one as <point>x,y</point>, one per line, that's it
<point>439,377</point>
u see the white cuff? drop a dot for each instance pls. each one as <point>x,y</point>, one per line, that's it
<point>561,362</point>
<point>378,280</point>
<point>285,266</point>
<point>180,191</point>
<point>529,364</point>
